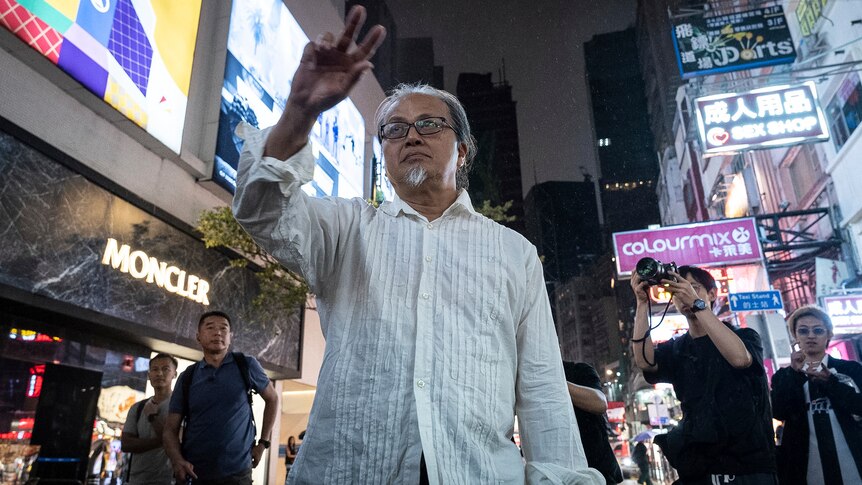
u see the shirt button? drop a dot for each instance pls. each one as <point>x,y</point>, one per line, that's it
<point>426,295</point>
<point>428,258</point>
<point>420,383</point>
<point>430,226</point>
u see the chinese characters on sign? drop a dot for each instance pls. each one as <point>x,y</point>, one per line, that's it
<point>774,116</point>
<point>731,42</point>
<point>808,12</point>
<point>845,312</point>
<point>730,241</point>
<point>755,301</point>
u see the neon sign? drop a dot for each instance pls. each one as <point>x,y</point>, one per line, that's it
<point>763,118</point>
<point>151,270</point>
<point>845,312</point>
<point>732,42</point>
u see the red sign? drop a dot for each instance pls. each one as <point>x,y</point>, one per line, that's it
<point>845,312</point>
<point>731,241</point>
<point>616,412</point>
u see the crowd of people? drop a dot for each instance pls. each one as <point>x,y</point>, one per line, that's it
<point>423,375</point>
<point>717,373</point>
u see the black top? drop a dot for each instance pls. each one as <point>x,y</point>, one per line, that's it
<point>727,420</point>
<point>593,427</point>
<point>790,406</point>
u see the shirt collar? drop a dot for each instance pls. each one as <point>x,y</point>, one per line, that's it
<point>227,358</point>
<point>398,206</point>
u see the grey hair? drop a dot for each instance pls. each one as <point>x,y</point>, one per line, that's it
<point>457,119</point>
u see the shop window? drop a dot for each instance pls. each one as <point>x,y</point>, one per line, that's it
<point>845,110</point>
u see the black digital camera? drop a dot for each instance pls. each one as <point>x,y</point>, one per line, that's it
<point>653,271</point>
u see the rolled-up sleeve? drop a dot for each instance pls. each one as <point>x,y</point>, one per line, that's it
<point>302,232</point>
<point>549,432</point>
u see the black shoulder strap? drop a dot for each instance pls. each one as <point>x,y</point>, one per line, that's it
<point>242,365</point>
<point>187,386</point>
<point>139,409</point>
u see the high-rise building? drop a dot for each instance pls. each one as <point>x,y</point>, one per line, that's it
<point>586,321</point>
<point>658,65</point>
<point>628,165</point>
<point>562,220</point>
<point>496,172</point>
<point>385,59</point>
<point>415,62</point>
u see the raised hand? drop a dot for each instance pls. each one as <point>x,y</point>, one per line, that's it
<point>640,287</point>
<point>328,70</point>
<point>330,66</point>
<point>797,358</point>
<point>681,289</point>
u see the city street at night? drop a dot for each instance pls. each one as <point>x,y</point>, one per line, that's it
<point>430,242</point>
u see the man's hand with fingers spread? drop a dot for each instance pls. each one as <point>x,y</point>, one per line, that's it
<point>328,70</point>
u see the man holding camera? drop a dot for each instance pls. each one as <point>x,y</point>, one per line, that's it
<point>725,434</point>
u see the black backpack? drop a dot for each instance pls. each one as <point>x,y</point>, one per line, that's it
<point>242,364</point>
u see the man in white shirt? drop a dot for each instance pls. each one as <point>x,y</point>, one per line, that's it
<point>437,323</point>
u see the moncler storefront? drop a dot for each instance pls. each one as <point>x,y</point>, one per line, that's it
<point>92,282</point>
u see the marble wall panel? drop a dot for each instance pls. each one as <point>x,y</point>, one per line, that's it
<point>54,227</point>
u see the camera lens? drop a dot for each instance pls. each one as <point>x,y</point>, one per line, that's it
<point>647,268</point>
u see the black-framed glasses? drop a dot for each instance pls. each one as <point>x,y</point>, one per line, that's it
<point>818,331</point>
<point>425,126</point>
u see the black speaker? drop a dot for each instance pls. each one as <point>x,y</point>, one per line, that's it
<point>63,425</point>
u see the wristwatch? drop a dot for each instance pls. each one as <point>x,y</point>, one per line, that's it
<point>265,444</point>
<point>698,305</point>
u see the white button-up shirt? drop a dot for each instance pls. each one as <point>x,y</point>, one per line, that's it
<point>437,334</point>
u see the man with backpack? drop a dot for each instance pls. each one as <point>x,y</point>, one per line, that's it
<point>142,433</point>
<point>212,404</point>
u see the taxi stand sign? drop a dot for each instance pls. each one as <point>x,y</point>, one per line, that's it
<point>763,118</point>
<point>755,301</point>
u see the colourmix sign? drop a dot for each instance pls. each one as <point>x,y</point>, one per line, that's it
<point>741,40</point>
<point>763,118</point>
<point>731,241</point>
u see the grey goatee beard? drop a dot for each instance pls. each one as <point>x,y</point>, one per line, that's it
<point>415,176</point>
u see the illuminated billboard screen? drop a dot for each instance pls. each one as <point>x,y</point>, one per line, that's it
<point>264,47</point>
<point>731,42</point>
<point>134,54</point>
<point>845,312</point>
<point>763,118</point>
<point>383,188</point>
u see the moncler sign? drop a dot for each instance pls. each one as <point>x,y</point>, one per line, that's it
<point>169,277</point>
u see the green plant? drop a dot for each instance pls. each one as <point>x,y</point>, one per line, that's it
<point>281,290</point>
<point>497,213</point>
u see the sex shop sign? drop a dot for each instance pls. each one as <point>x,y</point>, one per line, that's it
<point>763,118</point>
<point>714,243</point>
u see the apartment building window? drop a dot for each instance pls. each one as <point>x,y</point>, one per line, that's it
<point>805,171</point>
<point>845,110</point>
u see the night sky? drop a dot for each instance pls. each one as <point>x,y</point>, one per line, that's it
<point>542,42</point>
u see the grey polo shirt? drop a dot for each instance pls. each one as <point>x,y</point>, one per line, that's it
<point>150,467</point>
<point>220,434</point>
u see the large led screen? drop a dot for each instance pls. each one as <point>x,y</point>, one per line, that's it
<point>263,50</point>
<point>383,185</point>
<point>134,54</point>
